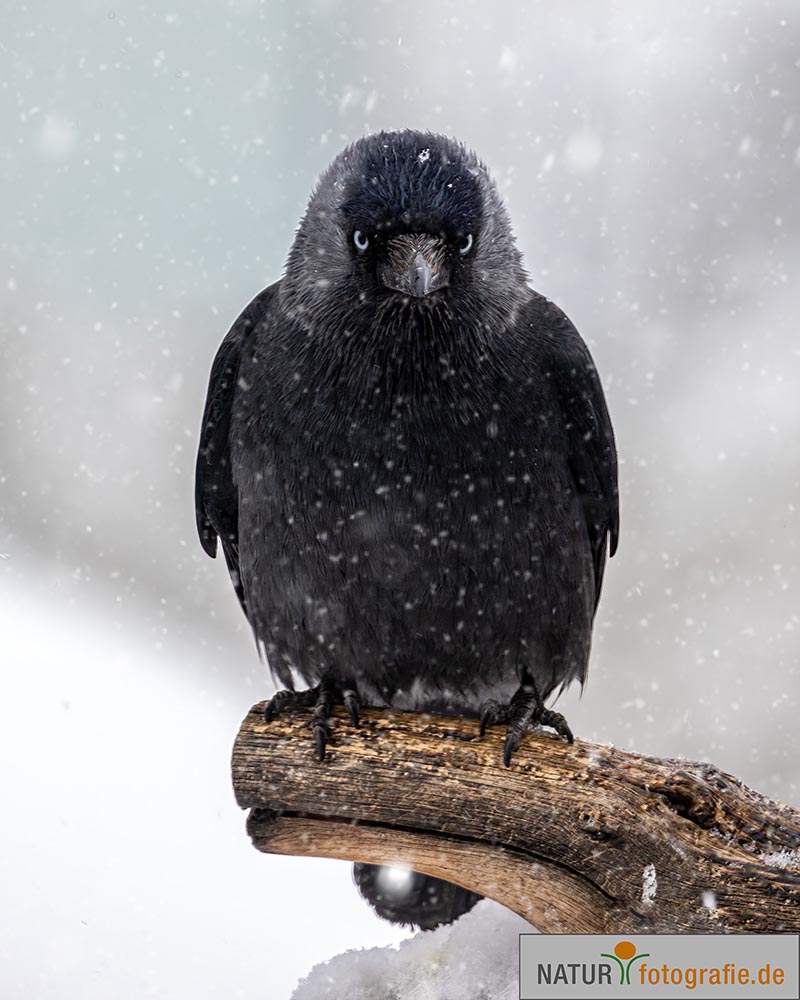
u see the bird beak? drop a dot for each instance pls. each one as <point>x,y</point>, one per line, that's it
<point>415,264</point>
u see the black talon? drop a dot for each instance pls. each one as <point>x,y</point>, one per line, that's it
<point>524,711</point>
<point>352,703</point>
<point>557,721</point>
<point>322,714</point>
<point>511,745</point>
<point>323,697</point>
<point>322,735</point>
<point>488,710</point>
<point>493,714</point>
<point>283,700</point>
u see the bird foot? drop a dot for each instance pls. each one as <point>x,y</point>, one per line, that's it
<point>525,711</point>
<point>323,697</point>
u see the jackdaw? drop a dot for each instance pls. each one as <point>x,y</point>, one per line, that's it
<point>407,457</point>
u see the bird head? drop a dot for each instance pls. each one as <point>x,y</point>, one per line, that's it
<point>404,222</point>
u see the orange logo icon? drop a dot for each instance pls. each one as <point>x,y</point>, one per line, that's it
<point>625,955</point>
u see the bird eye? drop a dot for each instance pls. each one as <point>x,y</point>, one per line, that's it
<point>361,240</point>
<point>466,245</point>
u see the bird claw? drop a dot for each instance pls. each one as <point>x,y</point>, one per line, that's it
<point>493,714</point>
<point>555,720</point>
<point>323,697</point>
<point>352,703</point>
<point>525,711</point>
<point>322,736</point>
<point>512,744</point>
<point>283,700</point>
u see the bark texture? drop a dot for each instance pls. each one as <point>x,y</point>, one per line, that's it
<point>575,838</point>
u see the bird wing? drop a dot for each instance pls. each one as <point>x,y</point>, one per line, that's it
<point>592,453</point>
<point>216,496</point>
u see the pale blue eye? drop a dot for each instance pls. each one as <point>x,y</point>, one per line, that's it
<point>466,244</point>
<point>361,240</point>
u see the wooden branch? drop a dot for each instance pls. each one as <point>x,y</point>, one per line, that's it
<point>580,838</point>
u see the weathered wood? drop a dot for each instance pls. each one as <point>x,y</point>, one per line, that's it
<point>579,838</point>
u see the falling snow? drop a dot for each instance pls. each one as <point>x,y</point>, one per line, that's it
<point>157,164</point>
<point>57,137</point>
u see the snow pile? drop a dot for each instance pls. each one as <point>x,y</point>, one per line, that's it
<point>786,860</point>
<point>649,885</point>
<point>477,957</point>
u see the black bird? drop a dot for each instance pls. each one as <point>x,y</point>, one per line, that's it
<point>406,454</point>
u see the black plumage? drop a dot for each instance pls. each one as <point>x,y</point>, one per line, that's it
<point>406,453</point>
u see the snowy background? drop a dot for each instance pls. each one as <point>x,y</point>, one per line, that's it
<point>155,162</point>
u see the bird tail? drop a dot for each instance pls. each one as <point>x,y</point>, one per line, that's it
<point>409,898</point>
